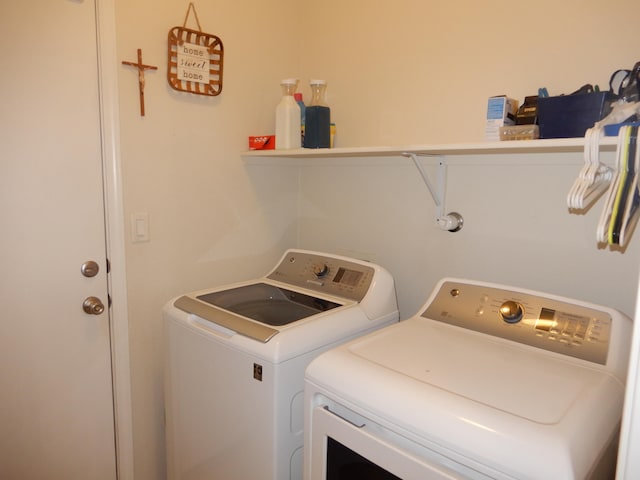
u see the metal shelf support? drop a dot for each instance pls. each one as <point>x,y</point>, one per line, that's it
<point>453,221</point>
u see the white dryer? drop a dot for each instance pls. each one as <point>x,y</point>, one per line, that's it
<point>235,360</point>
<point>485,382</point>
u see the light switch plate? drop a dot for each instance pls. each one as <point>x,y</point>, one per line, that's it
<point>139,227</point>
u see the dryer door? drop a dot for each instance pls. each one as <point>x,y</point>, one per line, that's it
<point>347,445</point>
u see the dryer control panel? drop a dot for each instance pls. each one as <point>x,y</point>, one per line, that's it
<point>525,317</point>
<point>331,275</point>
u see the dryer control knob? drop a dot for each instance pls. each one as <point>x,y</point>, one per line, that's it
<point>320,270</point>
<point>511,312</point>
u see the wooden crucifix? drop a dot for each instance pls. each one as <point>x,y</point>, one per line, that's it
<point>141,68</point>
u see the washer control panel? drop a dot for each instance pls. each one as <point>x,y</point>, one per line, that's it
<point>324,273</point>
<point>524,317</point>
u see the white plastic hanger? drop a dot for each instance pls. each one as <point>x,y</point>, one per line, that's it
<point>593,178</point>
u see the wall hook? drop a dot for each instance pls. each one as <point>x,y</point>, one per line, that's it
<point>451,222</point>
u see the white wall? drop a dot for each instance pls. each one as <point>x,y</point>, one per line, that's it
<point>406,72</point>
<point>517,229</point>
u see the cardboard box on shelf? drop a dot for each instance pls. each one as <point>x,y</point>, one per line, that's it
<point>501,111</point>
<point>262,142</point>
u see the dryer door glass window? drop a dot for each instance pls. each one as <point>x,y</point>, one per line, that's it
<point>345,464</point>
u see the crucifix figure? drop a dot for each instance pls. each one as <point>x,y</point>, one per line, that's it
<point>141,68</point>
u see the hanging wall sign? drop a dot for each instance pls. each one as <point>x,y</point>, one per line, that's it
<point>193,63</point>
<point>195,59</point>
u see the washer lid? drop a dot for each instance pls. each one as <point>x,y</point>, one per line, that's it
<point>519,380</point>
<point>253,309</point>
<point>268,304</point>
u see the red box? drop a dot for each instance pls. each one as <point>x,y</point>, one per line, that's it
<point>263,142</point>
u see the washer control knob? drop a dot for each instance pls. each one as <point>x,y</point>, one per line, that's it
<point>511,312</point>
<point>320,269</point>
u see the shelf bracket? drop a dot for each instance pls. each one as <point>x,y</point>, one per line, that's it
<point>451,222</point>
<point>436,194</point>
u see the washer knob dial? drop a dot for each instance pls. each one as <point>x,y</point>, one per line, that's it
<point>511,312</point>
<point>320,269</point>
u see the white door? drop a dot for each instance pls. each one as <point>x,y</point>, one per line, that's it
<point>56,399</point>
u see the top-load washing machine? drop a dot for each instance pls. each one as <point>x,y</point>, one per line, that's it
<point>486,382</point>
<point>235,360</point>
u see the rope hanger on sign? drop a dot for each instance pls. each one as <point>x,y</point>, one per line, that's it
<point>195,14</point>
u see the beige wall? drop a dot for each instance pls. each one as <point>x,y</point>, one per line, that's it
<point>406,72</point>
<point>181,165</point>
<point>420,71</point>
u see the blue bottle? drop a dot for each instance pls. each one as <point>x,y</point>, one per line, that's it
<point>317,130</point>
<point>298,97</point>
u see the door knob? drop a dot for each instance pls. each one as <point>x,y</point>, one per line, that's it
<point>93,306</point>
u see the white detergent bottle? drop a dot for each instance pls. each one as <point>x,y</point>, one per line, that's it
<point>288,117</point>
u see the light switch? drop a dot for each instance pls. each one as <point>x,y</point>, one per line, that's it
<point>139,227</point>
